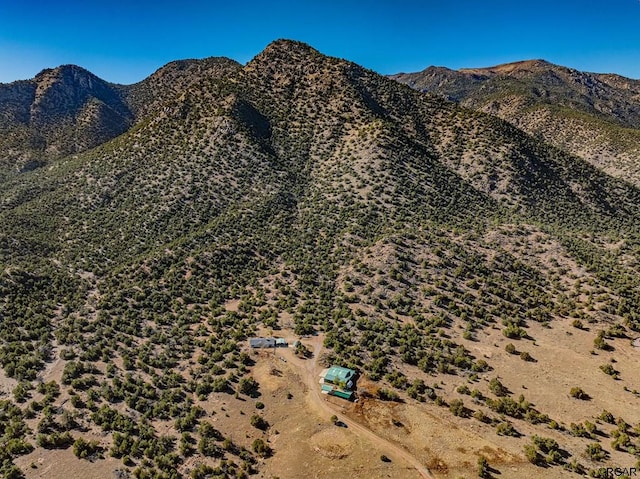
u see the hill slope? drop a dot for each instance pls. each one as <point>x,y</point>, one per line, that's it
<point>68,110</point>
<point>595,116</point>
<point>61,111</point>
<point>307,194</point>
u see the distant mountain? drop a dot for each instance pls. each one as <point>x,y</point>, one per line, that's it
<point>305,195</point>
<point>68,110</point>
<point>595,116</point>
<point>61,111</point>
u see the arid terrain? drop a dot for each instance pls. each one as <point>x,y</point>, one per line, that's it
<point>482,279</point>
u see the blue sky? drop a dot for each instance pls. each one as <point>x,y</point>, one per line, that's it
<point>124,41</point>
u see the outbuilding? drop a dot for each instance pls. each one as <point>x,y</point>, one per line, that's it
<point>262,342</point>
<point>267,343</point>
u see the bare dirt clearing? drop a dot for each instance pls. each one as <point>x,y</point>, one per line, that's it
<point>308,444</point>
<point>414,436</point>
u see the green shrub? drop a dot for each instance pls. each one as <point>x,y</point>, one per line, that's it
<point>610,370</point>
<point>525,356</point>
<point>84,449</point>
<point>463,389</point>
<point>55,440</point>
<point>606,416</point>
<point>505,428</point>
<point>483,468</point>
<point>456,406</point>
<point>595,452</point>
<point>497,388</point>
<point>261,448</point>
<point>578,393</point>
<point>259,422</point>
<point>531,454</point>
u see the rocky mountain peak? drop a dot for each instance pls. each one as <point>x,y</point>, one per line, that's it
<point>70,74</point>
<point>284,46</point>
<point>64,91</point>
<point>286,54</point>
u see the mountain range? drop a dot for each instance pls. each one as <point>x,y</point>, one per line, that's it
<point>594,116</point>
<point>148,230</point>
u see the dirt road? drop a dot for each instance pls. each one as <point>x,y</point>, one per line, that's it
<point>309,372</point>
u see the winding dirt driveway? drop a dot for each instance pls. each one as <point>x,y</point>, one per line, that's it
<point>310,373</point>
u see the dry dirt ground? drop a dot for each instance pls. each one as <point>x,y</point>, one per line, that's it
<point>62,464</point>
<point>564,358</point>
<point>6,384</point>
<point>421,439</point>
<point>308,444</point>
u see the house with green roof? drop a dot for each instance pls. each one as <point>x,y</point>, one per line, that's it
<point>340,376</point>
<point>337,378</point>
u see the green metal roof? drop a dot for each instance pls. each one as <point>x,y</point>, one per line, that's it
<point>342,394</point>
<point>338,374</point>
